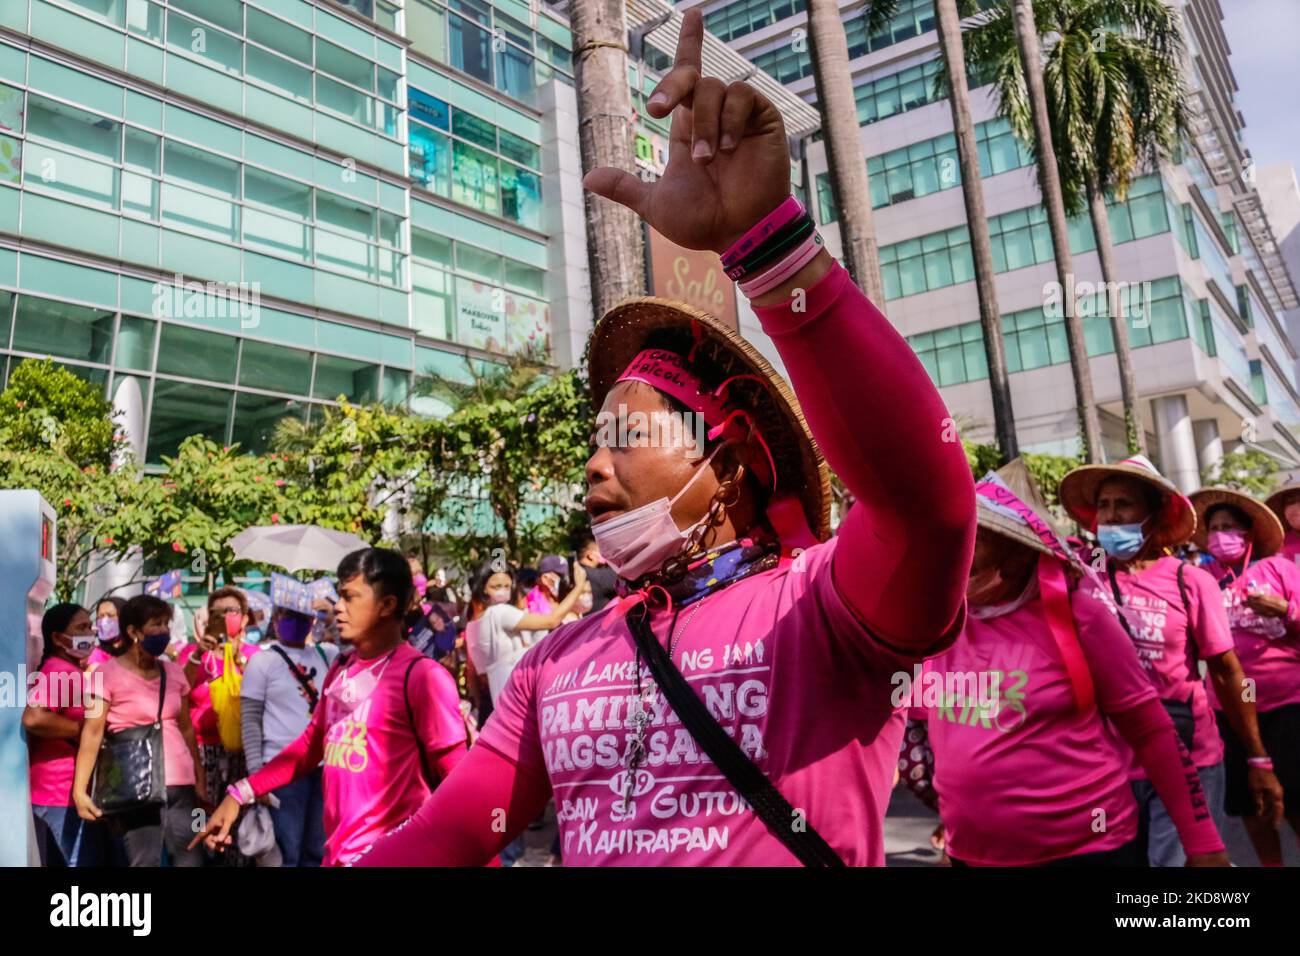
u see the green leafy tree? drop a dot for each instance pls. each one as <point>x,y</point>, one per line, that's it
<point>1251,471</point>
<point>45,404</point>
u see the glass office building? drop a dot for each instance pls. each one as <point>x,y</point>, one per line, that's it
<point>362,179</point>
<point>1205,290</point>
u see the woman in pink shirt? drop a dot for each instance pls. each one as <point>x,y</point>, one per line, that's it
<point>1261,592</point>
<point>1175,621</point>
<point>52,720</point>
<point>110,642</point>
<point>127,692</point>
<point>743,619</point>
<point>1018,710</point>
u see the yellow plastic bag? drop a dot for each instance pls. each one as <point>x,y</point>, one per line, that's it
<point>225,700</point>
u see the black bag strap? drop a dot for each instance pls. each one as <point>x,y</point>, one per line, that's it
<point>1119,600</point>
<point>771,806</point>
<point>162,691</point>
<point>429,779</point>
<point>1193,651</point>
<point>300,676</point>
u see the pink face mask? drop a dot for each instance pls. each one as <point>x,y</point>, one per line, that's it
<point>1227,545</point>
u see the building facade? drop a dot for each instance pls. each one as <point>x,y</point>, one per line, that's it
<point>1213,360</point>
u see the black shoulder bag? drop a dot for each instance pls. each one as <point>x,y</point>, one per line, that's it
<point>784,822</point>
<point>1180,711</point>
<point>129,769</point>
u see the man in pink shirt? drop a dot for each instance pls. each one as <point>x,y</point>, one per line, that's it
<point>387,728</point>
<point>1175,620</point>
<point>734,708</point>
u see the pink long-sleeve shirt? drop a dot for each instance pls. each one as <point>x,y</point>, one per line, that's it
<point>796,663</point>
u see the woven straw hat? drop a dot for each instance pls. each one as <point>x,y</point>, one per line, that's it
<point>622,334</point>
<point>1176,521</point>
<point>1015,476</point>
<point>1266,533</point>
<point>1274,500</point>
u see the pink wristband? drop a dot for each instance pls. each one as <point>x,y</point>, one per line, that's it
<point>783,270</point>
<point>784,214</point>
<point>1260,763</point>
<point>242,791</point>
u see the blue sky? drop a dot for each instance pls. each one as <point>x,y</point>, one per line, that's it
<point>1262,35</point>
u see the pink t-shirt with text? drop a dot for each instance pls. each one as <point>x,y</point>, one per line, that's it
<point>1268,647</point>
<point>52,760</point>
<point>373,777</point>
<point>132,701</point>
<point>1160,637</point>
<point>1022,776</point>
<point>784,665</point>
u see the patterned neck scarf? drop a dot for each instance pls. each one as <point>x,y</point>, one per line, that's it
<point>720,567</point>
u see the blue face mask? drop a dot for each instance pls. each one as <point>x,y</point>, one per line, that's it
<point>155,644</point>
<point>253,635</point>
<point>1121,541</point>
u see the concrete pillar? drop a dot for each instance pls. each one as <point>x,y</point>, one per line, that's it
<point>1177,443</point>
<point>1209,446</point>
<point>113,576</point>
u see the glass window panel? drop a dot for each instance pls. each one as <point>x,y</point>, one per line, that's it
<point>212,46</point>
<point>1034,352</point>
<point>430,159</point>
<point>199,168</point>
<point>356,381</point>
<point>432,303</point>
<point>180,410</point>
<point>279,36</point>
<point>390,228</point>
<point>348,67</point>
<point>275,368</point>
<point>221,12</point>
<point>277,234</point>
<point>474,128</point>
<point>345,215</point>
<point>346,255</point>
<point>470,49</point>
<point>386,83</point>
<point>478,262</point>
<point>283,195</point>
<point>515,73</point>
<point>69,126</point>
<point>428,109</point>
<point>1058,348</point>
<point>396,387</point>
<point>426,28</point>
<point>474,178</point>
<point>478,10</point>
<point>963,265</point>
<point>140,152</point>
<point>279,73</point>
<point>952,367</point>
<point>353,104</point>
<point>938,271</point>
<point>256,418</point>
<point>431,247</point>
<point>976,363</point>
<point>135,343</point>
<point>62,329</point>
<point>521,196</point>
<point>525,277</point>
<point>140,195</point>
<point>911,273</point>
<point>1019,249</point>
<point>194,353</point>
<point>200,213</point>
<point>78,178</point>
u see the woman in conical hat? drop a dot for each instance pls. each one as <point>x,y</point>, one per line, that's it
<point>1177,621</point>
<point>1261,591</point>
<point>1017,710</point>
<point>782,639</point>
<point>1285,503</point>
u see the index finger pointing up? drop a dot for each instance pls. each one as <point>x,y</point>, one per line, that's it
<point>680,82</point>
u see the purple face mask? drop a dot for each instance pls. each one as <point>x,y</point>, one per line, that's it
<point>292,629</point>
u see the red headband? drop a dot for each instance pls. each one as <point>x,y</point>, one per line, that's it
<point>669,373</point>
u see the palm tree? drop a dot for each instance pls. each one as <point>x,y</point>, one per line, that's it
<point>1006,45</point>
<point>1114,95</point>
<point>615,242</point>
<point>847,166</point>
<point>947,15</point>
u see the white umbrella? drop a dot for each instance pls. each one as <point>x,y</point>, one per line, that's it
<point>295,547</point>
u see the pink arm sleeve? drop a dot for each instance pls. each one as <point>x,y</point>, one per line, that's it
<point>905,547</point>
<point>462,822</point>
<point>1148,730</point>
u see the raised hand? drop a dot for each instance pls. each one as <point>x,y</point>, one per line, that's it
<point>728,162</point>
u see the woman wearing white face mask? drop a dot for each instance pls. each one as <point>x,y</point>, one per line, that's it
<point>52,720</point>
<point>1177,621</point>
<point>1261,591</point>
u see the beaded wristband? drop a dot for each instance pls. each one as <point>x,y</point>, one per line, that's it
<point>1260,763</point>
<point>785,269</point>
<point>775,249</point>
<point>789,210</point>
